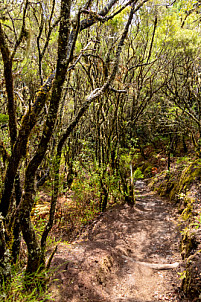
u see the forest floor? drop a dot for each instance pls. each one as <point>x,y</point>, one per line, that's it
<point>127,254</point>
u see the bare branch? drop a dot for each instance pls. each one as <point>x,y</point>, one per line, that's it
<point>22,32</point>
<point>79,57</point>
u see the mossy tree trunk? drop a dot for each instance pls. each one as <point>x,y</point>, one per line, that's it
<point>34,250</point>
<point>5,256</point>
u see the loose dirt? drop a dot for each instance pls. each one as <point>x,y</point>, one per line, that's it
<point>127,254</point>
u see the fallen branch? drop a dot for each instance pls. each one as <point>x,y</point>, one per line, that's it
<point>157,266</point>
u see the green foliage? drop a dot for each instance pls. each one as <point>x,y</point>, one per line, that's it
<point>39,216</point>
<point>3,118</point>
<point>185,41</point>
<point>86,195</point>
<point>183,159</point>
<point>125,160</point>
<point>138,174</point>
<point>170,33</point>
<point>87,187</point>
<point>182,275</point>
<point>197,223</point>
<point>19,290</point>
<point>128,154</point>
<point>117,22</point>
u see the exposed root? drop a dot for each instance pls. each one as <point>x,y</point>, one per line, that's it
<point>157,266</point>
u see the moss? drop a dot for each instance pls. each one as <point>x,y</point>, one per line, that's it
<point>173,183</point>
<point>166,188</point>
<point>188,243</point>
<point>191,284</point>
<point>157,183</point>
<point>186,205</point>
<point>187,212</point>
<point>172,193</point>
<point>189,175</point>
<point>186,282</point>
<point>164,183</point>
<point>146,168</point>
<point>4,118</point>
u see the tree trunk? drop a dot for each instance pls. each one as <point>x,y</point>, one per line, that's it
<point>5,259</point>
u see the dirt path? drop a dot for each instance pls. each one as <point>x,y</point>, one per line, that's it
<point>127,255</point>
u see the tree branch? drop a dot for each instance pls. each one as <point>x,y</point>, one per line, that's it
<point>22,32</point>
<point>8,75</point>
<point>89,99</point>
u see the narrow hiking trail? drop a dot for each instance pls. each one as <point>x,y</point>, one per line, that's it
<point>127,255</point>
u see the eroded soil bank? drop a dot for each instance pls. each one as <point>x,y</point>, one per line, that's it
<point>126,255</point>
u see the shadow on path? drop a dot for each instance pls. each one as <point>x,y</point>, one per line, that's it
<point>95,267</point>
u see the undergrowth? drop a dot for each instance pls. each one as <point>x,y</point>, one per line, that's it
<point>25,289</point>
